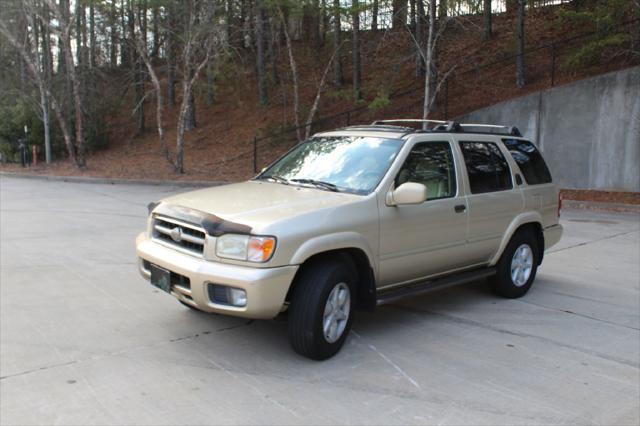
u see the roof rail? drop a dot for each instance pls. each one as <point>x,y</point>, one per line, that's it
<point>407,120</point>
<point>510,130</point>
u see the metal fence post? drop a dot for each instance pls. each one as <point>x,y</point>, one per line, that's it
<point>348,118</point>
<point>255,154</point>
<point>553,63</point>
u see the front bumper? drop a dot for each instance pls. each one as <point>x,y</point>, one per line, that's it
<point>552,235</point>
<point>266,288</point>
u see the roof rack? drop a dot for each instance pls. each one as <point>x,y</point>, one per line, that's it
<point>510,130</point>
<point>440,126</point>
<point>408,120</point>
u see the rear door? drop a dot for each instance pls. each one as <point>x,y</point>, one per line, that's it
<point>493,197</point>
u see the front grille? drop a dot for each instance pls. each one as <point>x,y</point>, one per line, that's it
<point>179,234</point>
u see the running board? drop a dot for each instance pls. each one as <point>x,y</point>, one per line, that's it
<point>422,287</point>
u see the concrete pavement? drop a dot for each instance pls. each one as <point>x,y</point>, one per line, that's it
<point>84,340</point>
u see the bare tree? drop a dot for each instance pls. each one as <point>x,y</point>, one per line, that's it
<point>64,32</point>
<point>141,48</point>
<point>294,74</point>
<point>197,49</point>
<point>35,69</point>
<point>316,101</point>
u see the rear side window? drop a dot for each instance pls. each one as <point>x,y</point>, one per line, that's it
<point>529,160</point>
<point>486,166</point>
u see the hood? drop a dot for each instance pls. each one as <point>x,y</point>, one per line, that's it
<point>259,203</point>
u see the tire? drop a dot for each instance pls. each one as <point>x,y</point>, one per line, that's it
<point>514,276</point>
<point>310,302</point>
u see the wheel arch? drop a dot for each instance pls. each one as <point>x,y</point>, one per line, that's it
<point>355,252</point>
<point>531,220</point>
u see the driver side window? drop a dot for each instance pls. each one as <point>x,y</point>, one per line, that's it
<point>431,164</point>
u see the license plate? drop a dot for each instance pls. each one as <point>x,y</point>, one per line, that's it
<point>161,278</point>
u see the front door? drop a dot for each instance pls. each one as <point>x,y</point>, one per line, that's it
<point>420,240</point>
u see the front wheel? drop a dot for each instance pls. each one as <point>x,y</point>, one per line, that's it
<point>518,265</point>
<point>321,308</point>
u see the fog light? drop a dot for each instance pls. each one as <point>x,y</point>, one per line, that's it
<point>237,296</point>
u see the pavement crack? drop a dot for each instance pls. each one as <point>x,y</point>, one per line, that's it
<point>584,243</point>
<point>231,327</point>
<point>34,370</point>
<point>478,324</point>
<point>566,311</point>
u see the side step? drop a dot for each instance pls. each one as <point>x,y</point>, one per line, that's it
<point>434,284</point>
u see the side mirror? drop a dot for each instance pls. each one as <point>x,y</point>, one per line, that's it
<point>407,193</point>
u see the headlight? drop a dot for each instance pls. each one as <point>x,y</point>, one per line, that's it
<point>245,247</point>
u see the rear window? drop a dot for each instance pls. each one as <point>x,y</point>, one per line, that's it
<point>529,160</point>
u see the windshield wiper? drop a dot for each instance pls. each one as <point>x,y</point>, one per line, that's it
<point>318,183</point>
<point>275,178</point>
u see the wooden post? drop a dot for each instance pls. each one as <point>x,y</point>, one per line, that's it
<point>348,118</point>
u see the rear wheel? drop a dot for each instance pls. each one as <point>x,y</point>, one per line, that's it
<point>518,265</point>
<point>321,308</point>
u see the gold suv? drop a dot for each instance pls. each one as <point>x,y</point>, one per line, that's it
<point>355,218</point>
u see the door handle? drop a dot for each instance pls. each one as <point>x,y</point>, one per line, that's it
<point>460,208</point>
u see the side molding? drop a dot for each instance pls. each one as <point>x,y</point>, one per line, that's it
<point>518,221</point>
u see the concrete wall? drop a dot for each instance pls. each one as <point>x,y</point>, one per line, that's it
<point>589,131</point>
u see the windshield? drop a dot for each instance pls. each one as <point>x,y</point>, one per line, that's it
<point>341,163</point>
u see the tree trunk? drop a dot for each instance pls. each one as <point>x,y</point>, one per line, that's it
<point>229,23</point>
<point>432,68</point>
<point>171,79</point>
<point>399,19</point>
<point>47,75</point>
<point>315,22</point>
<point>211,79</point>
<point>412,14</point>
<point>374,15</point>
<point>124,60</point>
<point>487,19</point>
<point>429,57</point>
<point>156,31</point>
<point>190,111</point>
<point>92,36</point>
<point>186,105</point>
<point>294,75</point>
<point>355,49</point>
<point>419,35</point>
<point>442,8</point>
<point>316,101</point>
<point>337,39</point>
<point>520,71</point>
<point>261,17</point>
<point>113,52</point>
